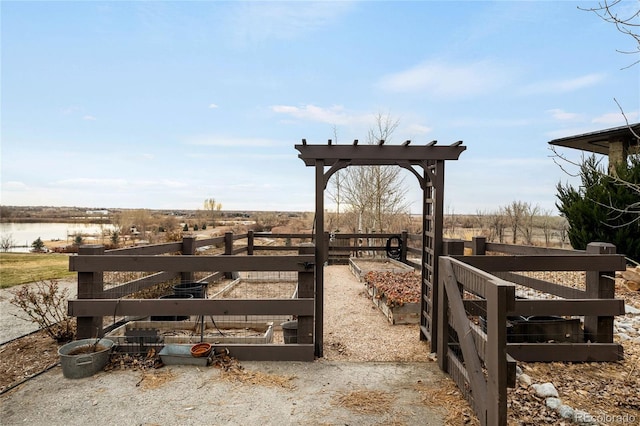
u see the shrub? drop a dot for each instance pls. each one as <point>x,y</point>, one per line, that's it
<point>46,305</point>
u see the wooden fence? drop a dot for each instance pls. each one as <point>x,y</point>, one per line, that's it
<point>94,302</point>
<point>478,296</point>
<point>476,299</point>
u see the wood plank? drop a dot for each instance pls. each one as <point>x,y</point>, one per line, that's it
<point>461,325</point>
<point>573,307</point>
<point>137,285</point>
<point>146,307</point>
<point>541,285</point>
<point>150,249</point>
<point>577,307</point>
<point>190,263</point>
<point>566,352</point>
<point>528,250</point>
<point>270,352</point>
<point>577,262</point>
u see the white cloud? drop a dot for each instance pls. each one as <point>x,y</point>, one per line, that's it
<point>418,129</point>
<point>89,118</point>
<point>213,106</point>
<point>92,182</point>
<point>447,80</point>
<point>562,86</point>
<point>14,185</point>
<point>615,118</point>
<point>219,140</point>
<point>333,115</point>
<point>562,115</point>
<point>257,21</point>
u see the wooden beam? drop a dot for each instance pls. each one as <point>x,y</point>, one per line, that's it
<point>577,262</point>
<point>566,352</point>
<point>384,154</point>
<point>190,263</point>
<point>543,307</point>
<point>146,307</point>
<point>269,352</point>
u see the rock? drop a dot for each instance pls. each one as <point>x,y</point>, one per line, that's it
<point>553,403</point>
<point>565,411</point>
<point>631,310</point>
<point>583,418</point>
<point>624,336</point>
<point>545,390</point>
<point>525,380</point>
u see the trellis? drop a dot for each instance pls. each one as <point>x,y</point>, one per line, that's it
<point>430,158</point>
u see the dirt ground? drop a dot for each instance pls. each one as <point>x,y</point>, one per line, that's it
<point>371,373</point>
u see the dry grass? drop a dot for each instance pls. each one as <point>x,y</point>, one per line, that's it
<point>447,396</point>
<point>240,375</point>
<point>155,379</point>
<point>365,401</point>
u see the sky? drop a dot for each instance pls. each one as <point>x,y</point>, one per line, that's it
<point>161,105</point>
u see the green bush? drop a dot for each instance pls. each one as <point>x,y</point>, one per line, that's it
<point>604,209</point>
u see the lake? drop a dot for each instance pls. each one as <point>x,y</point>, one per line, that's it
<point>23,234</point>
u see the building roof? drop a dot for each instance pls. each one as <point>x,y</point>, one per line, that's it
<point>598,142</point>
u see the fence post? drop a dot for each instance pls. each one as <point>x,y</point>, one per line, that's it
<point>500,300</point>
<point>188,249</point>
<point>250,243</point>
<point>442,345</point>
<point>306,284</point>
<point>90,286</point>
<point>405,245</point>
<point>228,251</point>
<point>478,246</point>
<point>599,286</point>
<point>326,238</point>
<point>453,248</point>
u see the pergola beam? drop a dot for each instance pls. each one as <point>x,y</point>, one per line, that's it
<point>378,154</point>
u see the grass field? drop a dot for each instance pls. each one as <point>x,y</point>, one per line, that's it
<point>20,268</point>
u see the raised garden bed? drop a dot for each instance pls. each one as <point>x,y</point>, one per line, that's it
<point>150,333</point>
<point>359,266</point>
<point>397,295</point>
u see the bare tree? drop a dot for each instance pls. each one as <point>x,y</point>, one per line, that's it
<point>514,214</point>
<point>527,226</point>
<point>212,208</point>
<point>335,192</point>
<point>496,223</point>
<point>375,193</point>
<point>626,20</point>
<point>6,242</point>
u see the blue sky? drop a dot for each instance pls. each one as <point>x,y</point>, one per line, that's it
<point>164,104</point>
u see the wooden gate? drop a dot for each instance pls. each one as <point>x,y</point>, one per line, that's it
<point>430,158</point>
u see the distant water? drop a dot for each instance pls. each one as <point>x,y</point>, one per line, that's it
<point>23,234</point>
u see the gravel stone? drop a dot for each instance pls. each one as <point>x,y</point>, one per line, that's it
<point>545,390</point>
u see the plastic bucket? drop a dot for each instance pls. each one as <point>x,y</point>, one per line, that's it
<point>84,364</point>
<point>173,317</point>
<point>290,332</point>
<point>195,289</point>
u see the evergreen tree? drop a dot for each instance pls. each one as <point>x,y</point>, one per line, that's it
<point>604,208</point>
<point>38,245</point>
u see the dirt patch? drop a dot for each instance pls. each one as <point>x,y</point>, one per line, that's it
<point>25,357</point>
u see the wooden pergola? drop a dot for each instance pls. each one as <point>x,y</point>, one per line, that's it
<point>426,163</point>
